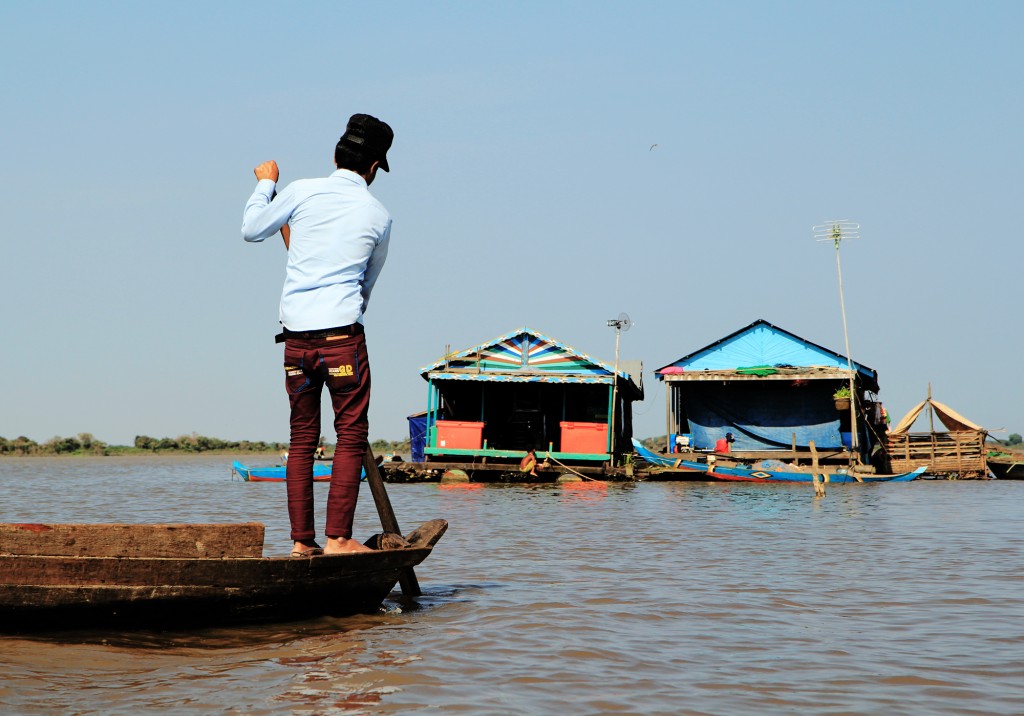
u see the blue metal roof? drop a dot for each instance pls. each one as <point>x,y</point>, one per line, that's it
<point>763,344</point>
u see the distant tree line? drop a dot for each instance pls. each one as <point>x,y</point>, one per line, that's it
<point>86,444</point>
<point>83,444</point>
<point>394,447</point>
<point>201,443</point>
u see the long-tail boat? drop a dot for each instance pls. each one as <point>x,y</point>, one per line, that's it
<point>790,473</point>
<point>666,466</point>
<point>276,473</point>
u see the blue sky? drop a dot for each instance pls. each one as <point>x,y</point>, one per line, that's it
<point>523,189</point>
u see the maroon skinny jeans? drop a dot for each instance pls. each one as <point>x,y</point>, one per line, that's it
<point>343,366</point>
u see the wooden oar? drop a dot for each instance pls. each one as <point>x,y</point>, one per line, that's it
<point>407,577</point>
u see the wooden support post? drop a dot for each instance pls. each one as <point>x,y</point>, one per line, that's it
<point>407,578</point>
<point>668,416</point>
<point>819,486</point>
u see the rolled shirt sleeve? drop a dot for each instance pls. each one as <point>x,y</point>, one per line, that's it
<point>264,214</point>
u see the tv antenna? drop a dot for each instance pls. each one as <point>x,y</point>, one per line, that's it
<point>620,324</point>
<point>837,231</point>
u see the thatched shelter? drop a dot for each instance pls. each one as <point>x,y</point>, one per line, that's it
<point>957,452</point>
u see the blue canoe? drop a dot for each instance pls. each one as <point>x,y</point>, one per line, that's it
<point>673,464</point>
<point>276,473</point>
<point>792,474</point>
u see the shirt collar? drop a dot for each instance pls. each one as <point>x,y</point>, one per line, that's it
<point>350,176</point>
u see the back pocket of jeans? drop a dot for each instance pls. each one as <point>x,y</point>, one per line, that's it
<point>342,370</point>
<point>295,378</point>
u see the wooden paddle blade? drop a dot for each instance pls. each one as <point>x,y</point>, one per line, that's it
<point>427,534</point>
<point>387,540</point>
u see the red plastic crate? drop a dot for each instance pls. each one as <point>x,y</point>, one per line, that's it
<point>460,435</point>
<point>588,438</point>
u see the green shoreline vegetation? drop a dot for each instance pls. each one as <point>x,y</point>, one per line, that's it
<point>85,444</point>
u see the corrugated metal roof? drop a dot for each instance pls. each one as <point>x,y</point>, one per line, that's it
<point>526,355</point>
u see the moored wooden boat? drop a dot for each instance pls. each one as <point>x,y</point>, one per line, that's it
<point>276,473</point>
<point>61,576</point>
<point>796,474</point>
<point>1006,468</point>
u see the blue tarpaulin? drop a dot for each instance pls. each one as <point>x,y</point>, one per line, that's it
<point>417,436</point>
<point>763,416</point>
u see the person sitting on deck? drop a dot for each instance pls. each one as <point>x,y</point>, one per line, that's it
<point>723,444</point>
<point>529,463</point>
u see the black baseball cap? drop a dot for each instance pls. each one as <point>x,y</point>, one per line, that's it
<point>370,137</point>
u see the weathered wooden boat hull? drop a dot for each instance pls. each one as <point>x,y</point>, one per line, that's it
<point>69,590</point>
<point>277,473</point>
<point>76,592</point>
<point>740,474</point>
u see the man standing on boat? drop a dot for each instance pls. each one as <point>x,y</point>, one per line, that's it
<point>337,238</point>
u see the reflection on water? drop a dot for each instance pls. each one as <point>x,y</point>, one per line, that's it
<point>584,490</point>
<point>460,486</point>
<point>589,597</point>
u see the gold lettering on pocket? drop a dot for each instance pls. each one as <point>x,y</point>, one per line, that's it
<point>342,371</point>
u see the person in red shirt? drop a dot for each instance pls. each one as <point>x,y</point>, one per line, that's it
<point>722,445</point>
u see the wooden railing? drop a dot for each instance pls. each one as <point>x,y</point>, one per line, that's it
<point>961,453</point>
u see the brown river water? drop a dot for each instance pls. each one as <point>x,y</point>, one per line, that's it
<point>645,598</point>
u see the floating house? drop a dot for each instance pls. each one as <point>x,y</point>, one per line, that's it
<point>774,392</point>
<point>524,390</point>
<point>957,452</point>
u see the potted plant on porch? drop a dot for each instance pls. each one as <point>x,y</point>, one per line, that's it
<point>842,398</point>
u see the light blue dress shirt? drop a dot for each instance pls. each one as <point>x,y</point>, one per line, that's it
<point>339,241</point>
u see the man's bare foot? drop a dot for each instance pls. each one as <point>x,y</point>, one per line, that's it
<point>344,546</point>
<point>306,548</point>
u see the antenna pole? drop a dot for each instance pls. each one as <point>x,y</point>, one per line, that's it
<point>615,392</point>
<point>837,236</point>
<point>619,324</point>
<point>836,231</point>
